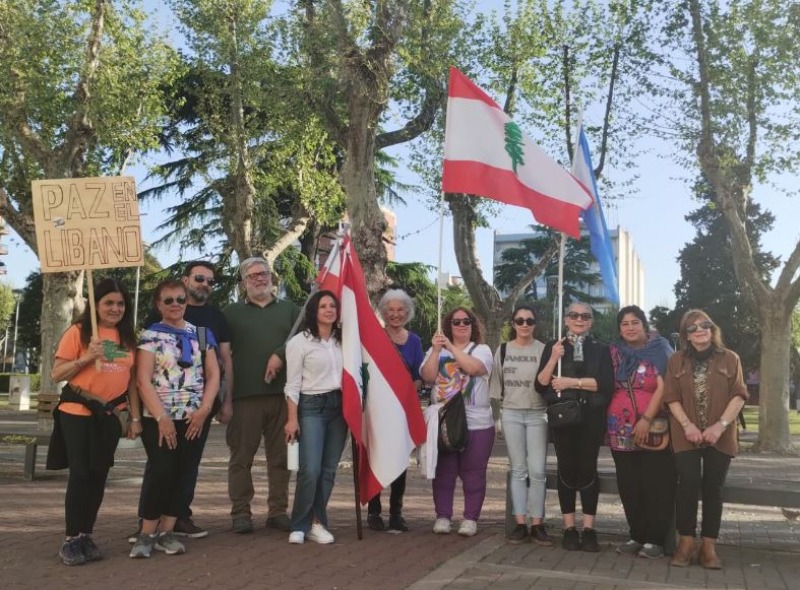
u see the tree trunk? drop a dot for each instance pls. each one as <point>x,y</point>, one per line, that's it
<point>62,301</point>
<point>773,410</point>
<point>358,180</point>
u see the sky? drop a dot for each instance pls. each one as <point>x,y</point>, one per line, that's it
<point>654,216</point>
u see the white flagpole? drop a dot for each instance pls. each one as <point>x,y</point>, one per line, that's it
<point>136,296</point>
<point>561,249</point>
<point>439,268</point>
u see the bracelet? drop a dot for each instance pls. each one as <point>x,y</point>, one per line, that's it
<point>161,416</point>
<point>646,418</point>
<point>136,419</point>
<point>580,383</point>
<point>685,423</point>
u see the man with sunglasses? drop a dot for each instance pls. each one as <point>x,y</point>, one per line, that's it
<point>199,278</point>
<point>260,326</point>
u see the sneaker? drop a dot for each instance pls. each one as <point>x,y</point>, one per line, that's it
<point>143,546</point>
<point>468,528</point>
<point>540,537</point>
<point>167,543</point>
<point>571,541</point>
<point>185,527</point>
<point>90,551</point>
<point>629,548</point>
<point>243,525</point>
<point>375,522</point>
<point>280,522</point>
<point>319,534</point>
<point>589,541</point>
<point>397,523</point>
<point>518,535</point>
<point>442,526</point>
<point>132,538</point>
<point>297,537</point>
<point>71,552</point>
<point>651,551</point>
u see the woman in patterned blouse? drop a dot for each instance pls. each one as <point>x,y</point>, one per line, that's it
<point>705,391</point>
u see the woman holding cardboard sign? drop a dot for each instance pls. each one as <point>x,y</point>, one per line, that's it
<point>87,426</point>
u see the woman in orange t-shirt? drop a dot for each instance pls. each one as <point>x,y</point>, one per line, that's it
<point>99,374</point>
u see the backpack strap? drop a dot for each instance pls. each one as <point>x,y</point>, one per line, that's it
<point>202,343</point>
<point>502,375</point>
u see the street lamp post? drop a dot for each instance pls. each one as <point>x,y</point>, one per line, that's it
<point>18,298</point>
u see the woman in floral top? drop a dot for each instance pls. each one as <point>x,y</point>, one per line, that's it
<point>177,384</point>
<point>646,479</point>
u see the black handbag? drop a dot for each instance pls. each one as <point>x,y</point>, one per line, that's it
<point>453,430</point>
<point>564,413</point>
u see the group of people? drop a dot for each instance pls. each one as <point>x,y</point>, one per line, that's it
<point>193,361</point>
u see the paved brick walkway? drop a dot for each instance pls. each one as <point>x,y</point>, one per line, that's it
<point>760,548</point>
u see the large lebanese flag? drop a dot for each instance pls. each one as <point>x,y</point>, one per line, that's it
<point>379,400</point>
<point>486,154</point>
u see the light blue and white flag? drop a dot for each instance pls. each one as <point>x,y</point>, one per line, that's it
<point>594,220</point>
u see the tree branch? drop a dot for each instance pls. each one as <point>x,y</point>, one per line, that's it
<point>297,226</point>
<point>22,224</point>
<point>534,272</point>
<point>419,124</point>
<point>598,171</point>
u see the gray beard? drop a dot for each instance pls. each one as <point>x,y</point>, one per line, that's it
<point>199,296</point>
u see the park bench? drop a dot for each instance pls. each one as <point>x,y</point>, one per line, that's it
<point>738,490</point>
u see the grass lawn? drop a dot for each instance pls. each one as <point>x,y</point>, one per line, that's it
<point>751,416</point>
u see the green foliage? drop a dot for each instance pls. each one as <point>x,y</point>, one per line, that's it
<point>294,272</point>
<point>7,307</point>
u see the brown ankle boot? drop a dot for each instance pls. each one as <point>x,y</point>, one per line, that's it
<point>683,553</point>
<point>708,554</point>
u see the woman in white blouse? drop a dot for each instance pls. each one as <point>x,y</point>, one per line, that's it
<point>314,401</point>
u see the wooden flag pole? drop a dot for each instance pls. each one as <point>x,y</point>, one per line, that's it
<point>93,312</point>
<point>561,249</point>
<point>354,451</point>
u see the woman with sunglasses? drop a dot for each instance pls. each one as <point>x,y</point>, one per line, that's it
<point>524,424</point>
<point>99,374</point>
<point>646,478</point>
<point>585,375</point>
<point>705,391</point>
<point>459,363</point>
<point>177,385</point>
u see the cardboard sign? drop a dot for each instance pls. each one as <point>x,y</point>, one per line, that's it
<point>86,223</point>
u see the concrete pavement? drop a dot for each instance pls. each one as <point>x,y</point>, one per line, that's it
<point>759,546</point>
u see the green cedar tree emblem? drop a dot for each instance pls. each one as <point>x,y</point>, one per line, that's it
<point>364,382</point>
<point>514,145</point>
<point>112,350</point>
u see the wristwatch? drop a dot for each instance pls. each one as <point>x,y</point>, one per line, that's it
<point>724,423</point>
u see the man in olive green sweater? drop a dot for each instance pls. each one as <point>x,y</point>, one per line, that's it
<point>259,327</point>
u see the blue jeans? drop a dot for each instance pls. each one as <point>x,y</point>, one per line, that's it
<point>323,433</point>
<point>526,439</point>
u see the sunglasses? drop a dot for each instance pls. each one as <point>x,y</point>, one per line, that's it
<point>527,321</point>
<point>263,275</point>
<point>460,322</point>
<point>171,300</point>
<point>204,279</point>
<point>574,315</point>
<point>706,325</point>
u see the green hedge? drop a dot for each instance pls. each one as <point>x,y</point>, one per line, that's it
<point>5,378</point>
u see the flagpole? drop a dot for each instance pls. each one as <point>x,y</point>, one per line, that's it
<point>561,249</point>
<point>439,269</point>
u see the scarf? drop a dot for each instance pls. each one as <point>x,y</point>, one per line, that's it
<point>185,338</point>
<point>577,344</point>
<point>656,351</point>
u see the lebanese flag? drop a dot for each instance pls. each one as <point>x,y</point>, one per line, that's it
<point>486,154</point>
<point>379,400</point>
<point>329,277</point>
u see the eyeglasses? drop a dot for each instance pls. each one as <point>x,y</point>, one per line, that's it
<point>171,300</point>
<point>204,279</point>
<point>706,325</point>
<point>527,321</point>
<point>460,322</point>
<point>574,315</point>
<point>262,276</point>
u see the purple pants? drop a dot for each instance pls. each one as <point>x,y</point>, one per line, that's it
<point>470,465</point>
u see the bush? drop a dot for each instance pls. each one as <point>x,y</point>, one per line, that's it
<point>5,379</point>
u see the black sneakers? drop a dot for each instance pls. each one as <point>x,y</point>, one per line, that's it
<point>539,535</point>
<point>375,522</point>
<point>71,552</point>
<point>589,541</point>
<point>90,550</point>
<point>185,527</point>
<point>397,523</point>
<point>571,540</point>
<point>518,535</point>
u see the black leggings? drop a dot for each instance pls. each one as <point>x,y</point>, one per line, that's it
<point>577,448</point>
<point>395,499</point>
<point>86,484</point>
<point>701,473</point>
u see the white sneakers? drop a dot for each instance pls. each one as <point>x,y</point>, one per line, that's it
<point>468,528</point>
<point>319,534</point>
<point>441,526</point>
<point>297,537</point>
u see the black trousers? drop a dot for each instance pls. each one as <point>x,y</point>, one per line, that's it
<point>398,488</point>
<point>647,481</point>
<point>577,448</point>
<point>188,478</point>
<point>163,493</point>
<point>701,475</point>
<point>86,485</point>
